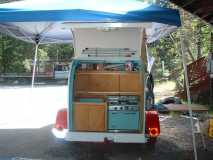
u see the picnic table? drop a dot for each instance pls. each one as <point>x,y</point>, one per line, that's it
<point>185,107</point>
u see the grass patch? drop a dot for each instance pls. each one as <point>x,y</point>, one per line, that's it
<point>165,86</point>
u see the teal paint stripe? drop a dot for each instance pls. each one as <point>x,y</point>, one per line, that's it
<point>144,104</point>
<point>73,67</point>
<point>142,75</point>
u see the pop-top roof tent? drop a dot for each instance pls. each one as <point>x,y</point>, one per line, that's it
<point>42,21</point>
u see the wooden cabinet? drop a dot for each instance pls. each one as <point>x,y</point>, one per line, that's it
<point>90,117</point>
<point>107,83</point>
<point>130,82</point>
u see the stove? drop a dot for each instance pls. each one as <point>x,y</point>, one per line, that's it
<point>123,113</point>
<point>123,107</point>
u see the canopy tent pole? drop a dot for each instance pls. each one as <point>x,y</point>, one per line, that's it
<point>182,37</point>
<point>34,64</point>
<point>37,40</point>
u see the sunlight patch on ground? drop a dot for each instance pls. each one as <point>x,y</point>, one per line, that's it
<point>164,89</point>
<point>22,107</point>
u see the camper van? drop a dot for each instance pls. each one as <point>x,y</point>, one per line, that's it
<point>107,88</point>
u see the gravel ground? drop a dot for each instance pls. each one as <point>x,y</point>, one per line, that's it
<point>21,139</point>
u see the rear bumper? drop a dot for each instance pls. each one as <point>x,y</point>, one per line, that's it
<point>100,136</point>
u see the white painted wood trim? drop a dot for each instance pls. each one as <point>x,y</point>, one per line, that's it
<point>100,136</point>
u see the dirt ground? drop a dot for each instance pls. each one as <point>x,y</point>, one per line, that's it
<point>25,133</point>
<point>174,143</point>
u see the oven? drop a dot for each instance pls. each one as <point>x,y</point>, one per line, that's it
<point>123,113</point>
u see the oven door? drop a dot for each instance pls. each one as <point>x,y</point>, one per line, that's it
<point>123,120</point>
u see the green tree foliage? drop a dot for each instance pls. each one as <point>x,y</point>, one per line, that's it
<point>59,52</point>
<point>197,42</point>
<point>10,58</point>
<point>16,56</point>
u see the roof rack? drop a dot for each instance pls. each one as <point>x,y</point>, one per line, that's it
<point>108,52</point>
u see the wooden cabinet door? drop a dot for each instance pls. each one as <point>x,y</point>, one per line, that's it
<point>97,118</point>
<point>89,117</point>
<point>81,117</point>
<point>81,82</point>
<point>103,82</point>
<point>130,82</point>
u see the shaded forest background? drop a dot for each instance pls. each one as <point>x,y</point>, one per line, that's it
<point>15,55</point>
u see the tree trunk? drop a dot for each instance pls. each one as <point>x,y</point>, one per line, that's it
<point>190,53</point>
<point>187,48</point>
<point>211,47</point>
<point>3,55</point>
<point>199,55</point>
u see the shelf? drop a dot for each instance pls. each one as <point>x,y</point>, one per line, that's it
<point>105,72</point>
<point>79,93</point>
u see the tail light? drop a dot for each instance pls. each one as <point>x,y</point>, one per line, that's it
<point>152,124</point>
<point>61,119</point>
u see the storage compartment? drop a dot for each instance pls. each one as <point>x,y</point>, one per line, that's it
<point>90,117</point>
